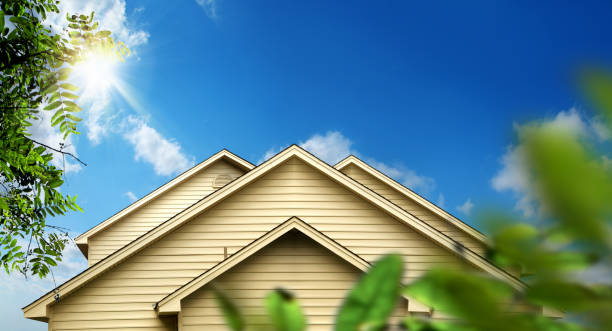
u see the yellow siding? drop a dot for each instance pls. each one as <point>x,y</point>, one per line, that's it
<point>414,208</point>
<point>160,209</point>
<point>318,278</point>
<point>125,294</point>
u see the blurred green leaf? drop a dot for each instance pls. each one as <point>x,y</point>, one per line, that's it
<point>284,311</point>
<point>460,294</point>
<point>422,324</point>
<point>568,295</point>
<point>231,313</point>
<point>372,300</point>
<point>574,186</point>
<point>598,86</point>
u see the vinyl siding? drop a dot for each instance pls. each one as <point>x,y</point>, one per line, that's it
<point>158,210</point>
<point>123,296</point>
<point>318,279</point>
<point>414,208</point>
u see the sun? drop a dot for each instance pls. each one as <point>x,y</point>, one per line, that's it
<point>97,72</point>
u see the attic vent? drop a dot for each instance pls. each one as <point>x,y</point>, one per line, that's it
<point>221,180</point>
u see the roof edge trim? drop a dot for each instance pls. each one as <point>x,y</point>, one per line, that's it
<point>223,154</point>
<point>456,222</point>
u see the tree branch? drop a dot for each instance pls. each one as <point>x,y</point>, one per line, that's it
<point>58,150</point>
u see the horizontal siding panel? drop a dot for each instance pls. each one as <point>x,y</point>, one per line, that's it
<point>103,307</point>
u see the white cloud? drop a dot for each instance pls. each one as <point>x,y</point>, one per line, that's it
<point>597,274</point>
<point>150,146</point>
<point>601,130</point>
<point>407,177</point>
<point>514,176</point>
<point>131,196</point>
<point>569,121</point>
<point>42,131</point>
<point>333,147</point>
<point>209,6</point>
<point>466,207</point>
<point>269,153</point>
<point>99,115</point>
<point>441,200</point>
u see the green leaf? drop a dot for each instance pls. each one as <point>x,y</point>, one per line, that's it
<point>103,34</point>
<point>1,20</point>
<point>59,119</point>
<point>69,95</point>
<point>70,87</point>
<point>232,314</point>
<point>74,118</point>
<point>284,311</point>
<point>50,261</point>
<point>58,113</point>
<point>55,183</point>
<point>372,300</point>
<point>50,89</point>
<point>63,73</point>
<point>53,105</point>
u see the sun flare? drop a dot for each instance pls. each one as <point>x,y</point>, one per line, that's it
<point>98,72</point>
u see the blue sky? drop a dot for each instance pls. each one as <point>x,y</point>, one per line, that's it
<point>430,92</point>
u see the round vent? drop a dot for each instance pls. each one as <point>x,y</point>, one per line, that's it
<point>221,180</point>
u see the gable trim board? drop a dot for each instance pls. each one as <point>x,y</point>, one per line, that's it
<point>37,309</point>
<point>171,304</point>
<point>82,240</point>
<point>353,160</point>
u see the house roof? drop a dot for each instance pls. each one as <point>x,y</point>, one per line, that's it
<point>171,303</point>
<point>353,160</point>
<point>37,309</point>
<point>224,154</point>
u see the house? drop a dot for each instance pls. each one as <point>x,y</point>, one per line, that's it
<point>293,222</point>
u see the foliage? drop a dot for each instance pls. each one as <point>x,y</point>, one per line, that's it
<point>371,301</point>
<point>573,181</point>
<point>35,64</point>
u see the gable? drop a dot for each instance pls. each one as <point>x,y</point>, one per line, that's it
<point>421,208</point>
<point>161,208</point>
<point>228,223</point>
<point>318,278</point>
